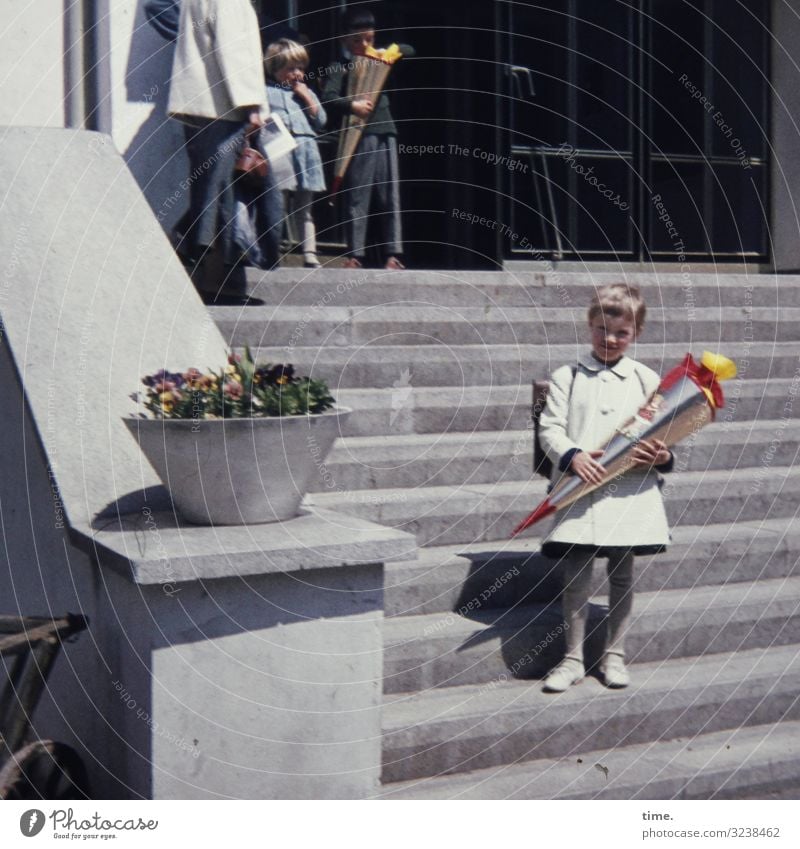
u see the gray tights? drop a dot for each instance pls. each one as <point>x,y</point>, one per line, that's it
<point>575,599</point>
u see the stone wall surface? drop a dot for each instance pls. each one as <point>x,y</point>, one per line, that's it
<point>32,64</point>
<point>152,144</point>
<point>785,135</point>
<point>93,298</point>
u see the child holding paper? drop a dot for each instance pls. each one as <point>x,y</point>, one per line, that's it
<point>586,403</point>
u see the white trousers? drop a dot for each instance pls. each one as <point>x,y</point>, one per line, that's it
<point>302,221</point>
<point>575,599</point>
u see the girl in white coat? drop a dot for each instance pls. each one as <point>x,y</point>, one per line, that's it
<point>586,403</point>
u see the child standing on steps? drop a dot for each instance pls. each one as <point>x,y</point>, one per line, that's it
<point>586,403</point>
<point>372,182</point>
<point>285,64</point>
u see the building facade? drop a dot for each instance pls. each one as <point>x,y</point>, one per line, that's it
<point>585,130</point>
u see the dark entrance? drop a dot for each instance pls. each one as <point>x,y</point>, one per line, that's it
<point>574,129</point>
<point>444,100</point>
<point>640,129</point>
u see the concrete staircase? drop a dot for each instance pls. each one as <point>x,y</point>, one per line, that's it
<point>438,367</point>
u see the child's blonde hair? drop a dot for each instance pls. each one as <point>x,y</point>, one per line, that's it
<point>284,53</point>
<point>619,300</point>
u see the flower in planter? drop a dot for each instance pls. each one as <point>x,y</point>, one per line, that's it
<point>279,375</point>
<point>233,389</point>
<point>240,389</point>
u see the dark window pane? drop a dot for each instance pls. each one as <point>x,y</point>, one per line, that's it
<point>676,215</point>
<point>739,75</point>
<point>539,212</point>
<point>665,85</point>
<point>601,191</point>
<point>538,41</point>
<point>604,63</point>
<point>677,68</point>
<point>738,214</point>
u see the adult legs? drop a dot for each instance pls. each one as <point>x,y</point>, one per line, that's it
<point>211,243</point>
<point>208,231</point>
<point>212,148</point>
<point>269,208</point>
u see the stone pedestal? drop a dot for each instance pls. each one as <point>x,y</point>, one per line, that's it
<point>242,662</point>
<point>263,684</point>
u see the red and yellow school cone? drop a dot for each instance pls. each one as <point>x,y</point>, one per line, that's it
<point>686,401</point>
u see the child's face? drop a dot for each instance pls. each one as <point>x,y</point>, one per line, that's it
<point>290,74</point>
<point>611,337</point>
<point>358,42</point>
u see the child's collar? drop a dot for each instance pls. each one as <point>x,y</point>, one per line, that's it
<point>622,368</point>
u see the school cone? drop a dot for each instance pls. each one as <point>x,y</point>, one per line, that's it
<point>686,400</point>
<point>367,78</point>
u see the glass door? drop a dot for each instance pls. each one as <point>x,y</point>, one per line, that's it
<point>636,130</point>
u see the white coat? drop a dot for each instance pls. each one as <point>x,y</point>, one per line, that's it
<point>218,67</point>
<point>583,412</point>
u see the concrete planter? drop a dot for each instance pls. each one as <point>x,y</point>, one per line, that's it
<point>238,471</point>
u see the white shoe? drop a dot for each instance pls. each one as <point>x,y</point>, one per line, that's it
<point>614,672</point>
<point>567,673</point>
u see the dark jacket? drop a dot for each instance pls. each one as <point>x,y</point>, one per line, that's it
<point>337,104</point>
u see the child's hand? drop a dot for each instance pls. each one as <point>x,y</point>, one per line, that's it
<point>362,107</point>
<point>652,452</point>
<point>304,93</point>
<point>301,90</point>
<point>254,119</point>
<point>586,467</point>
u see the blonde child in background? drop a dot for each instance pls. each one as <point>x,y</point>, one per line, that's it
<point>586,403</point>
<point>289,97</point>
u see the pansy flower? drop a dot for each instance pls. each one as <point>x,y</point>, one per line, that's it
<point>280,374</point>
<point>233,389</point>
<point>193,378</point>
<point>167,401</point>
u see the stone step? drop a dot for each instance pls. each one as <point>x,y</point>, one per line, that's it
<point>688,292</point>
<point>385,462</point>
<point>438,409</point>
<point>490,646</point>
<point>397,366</point>
<point>441,515</point>
<point>512,572</point>
<point>445,409</point>
<point>402,323</point>
<point>419,460</point>
<point>752,762</point>
<point>458,729</point>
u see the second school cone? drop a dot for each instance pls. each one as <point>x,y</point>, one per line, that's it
<point>366,79</point>
<point>686,401</point>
